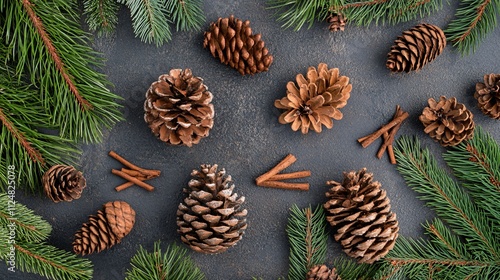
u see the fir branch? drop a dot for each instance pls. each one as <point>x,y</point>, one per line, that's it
<point>296,13</point>
<point>29,227</point>
<point>47,44</point>
<point>476,163</point>
<point>51,262</point>
<point>473,20</point>
<point>149,20</point>
<point>442,236</point>
<point>307,235</point>
<point>174,264</point>
<point>187,14</point>
<point>442,193</point>
<point>350,269</point>
<point>102,15</point>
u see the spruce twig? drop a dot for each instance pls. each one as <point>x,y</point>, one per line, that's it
<point>307,235</point>
<point>102,15</point>
<point>186,14</point>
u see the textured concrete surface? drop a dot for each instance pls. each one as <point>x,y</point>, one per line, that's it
<point>248,140</point>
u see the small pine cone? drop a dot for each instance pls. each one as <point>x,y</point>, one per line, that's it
<point>447,121</point>
<point>211,218</point>
<point>231,40</point>
<point>360,212</point>
<point>63,182</point>
<point>415,48</point>
<point>322,272</point>
<point>105,229</point>
<point>488,95</point>
<point>314,101</point>
<point>178,108</point>
<point>337,22</point>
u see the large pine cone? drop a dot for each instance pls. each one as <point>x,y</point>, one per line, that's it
<point>211,218</point>
<point>231,40</point>
<point>105,229</point>
<point>337,22</point>
<point>63,182</point>
<point>488,95</point>
<point>179,109</point>
<point>360,212</point>
<point>415,48</point>
<point>447,121</point>
<point>322,272</point>
<point>314,101</point>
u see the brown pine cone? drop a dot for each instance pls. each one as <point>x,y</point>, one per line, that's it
<point>488,95</point>
<point>447,121</point>
<point>105,229</point>
<point>178,108</point>
<point>63,182</point>
<point>415,48</point>
<point>211,218</point>
<point>231,40</point>
<point>337,22</point>
<point>322,272</point>
<point>314,101</point>
<point>360,212</point>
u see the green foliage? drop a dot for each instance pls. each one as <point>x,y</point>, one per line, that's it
<point>47,45</point>
<point>102,15</point>
<point>474,19</point>
<point>348,269</point>
<point>296,13</point>
<point>187,14</point>
<point>174,264</point>
<point>463,243</point>
<point>308,237</point>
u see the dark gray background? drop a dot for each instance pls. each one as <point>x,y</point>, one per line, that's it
<point>248,140</point>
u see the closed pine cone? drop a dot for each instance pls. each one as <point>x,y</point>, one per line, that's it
<point>337,22</point>
<point>231,40</point>
<point>360,212</point>
<point>63,182</point>
<point>105,229</point>
<point>178,108</point>
<point>322,272</point>
<point>211,218</point>
<point>447,121</point>
<point>488,95</point>
<point>415,48</point>
<point>313,102</point>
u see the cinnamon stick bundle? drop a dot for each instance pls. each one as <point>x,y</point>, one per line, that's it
<point>272,178</point>
<point>135,175</point>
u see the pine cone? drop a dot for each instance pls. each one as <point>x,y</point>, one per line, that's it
<point>322,272</point>
<point>315,101</point>
<point>105,229</point>
<point>211,219</point>
<point>231,40</point>
<point>337,22</point>
<point>360,212</point>
<point>63,182</point>
<point>488,95</point>
<point>415,48</point>
<point>179,109</point>
<point>447,121</point>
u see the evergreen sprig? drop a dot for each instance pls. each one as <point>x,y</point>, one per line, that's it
<point>297,13</point>
<point>473,20</point>
<point>102,15</point>
<point>47,45</point>
<point>463,243</point>
<point>349,269</point>
<point>308,237</point>
<point>173,264</point>
<point>187,14</point>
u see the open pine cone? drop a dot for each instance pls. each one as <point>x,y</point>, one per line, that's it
<point>488,95</point>
<point>415,48</point>
<point>231,40</point>
<point>322,272</point>
<point>337,22</point>
<point>211,218</point>
<point>178,108</point>
<point>63,182</point>
<point>314,101</point>
<point>105,229</point>
<point>447,121</point>
<point>360,212</point>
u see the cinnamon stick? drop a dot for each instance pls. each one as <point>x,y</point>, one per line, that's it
<point>133,166</point>
<point>384,145</point>
<point>366,141</point>
<point>286,162</point>
<point>284,185</point>
<point>390,151</point>
<point>292,175</point>
<point>133,173</point>
<point>134,180</point>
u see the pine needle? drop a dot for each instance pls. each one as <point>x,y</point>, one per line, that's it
<point>102,15</point>
<point>186,14</point>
